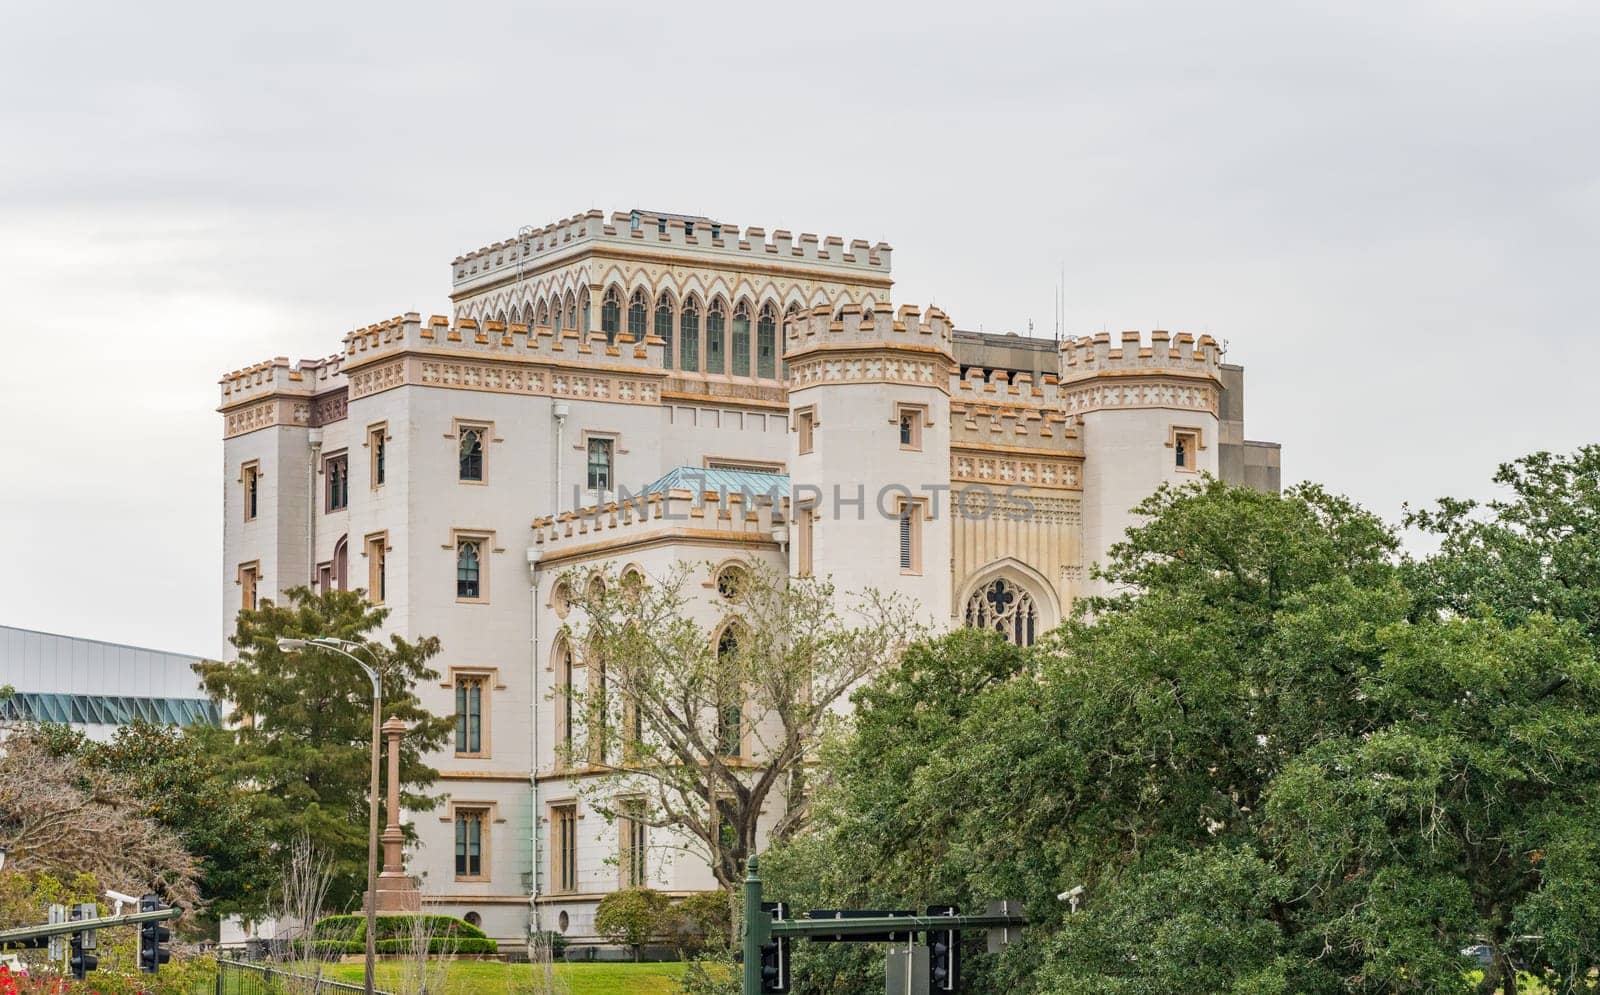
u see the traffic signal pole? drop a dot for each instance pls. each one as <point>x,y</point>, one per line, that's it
<point>23,935</point>
<point>759,928</point>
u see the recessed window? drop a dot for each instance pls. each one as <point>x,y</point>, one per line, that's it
<point>741,339</point>
<point>731,582</point>
<point>563,703</point>
<point>471,836</point>
<point>561,600</point>
<point>664,330</point>
<point>376,448</point>
<point>250,480</point>
<point>805,540</point>
<point>611,313</point>
<point>336,471</point>
<point>910,538</point>
<point>805,421</point>
<point>600,465</point>
<point>249,577</point>
<point>564,848</point>
<point>716,326</point>
<point>767,342</point>
<point>377,570</point>
<point>632,842</point>
<point>730,707</point>
<point>470,453</point>
<point>1185,444</point>
<point>909,420</point>
<point>470,693</point>
<point>472,919</point>
<point>469,569</point>
<point>637,306</point>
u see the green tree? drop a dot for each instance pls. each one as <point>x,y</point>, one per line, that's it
<point>633,917</point>
<point>301,724</point>
<point>182,781</point>
<point>1271,764</point>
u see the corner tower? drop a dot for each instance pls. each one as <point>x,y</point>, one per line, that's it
<point>1149,415</point>
<point>869,451</point>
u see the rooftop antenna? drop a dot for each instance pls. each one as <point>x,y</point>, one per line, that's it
<point>524,239</point>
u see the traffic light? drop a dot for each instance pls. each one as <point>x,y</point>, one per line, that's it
<point>775,952</point>
<point>80,956</point>
<point>151,937</point>
<point>944,953</point>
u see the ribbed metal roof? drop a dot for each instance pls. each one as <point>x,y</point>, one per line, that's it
<point>718,481</point>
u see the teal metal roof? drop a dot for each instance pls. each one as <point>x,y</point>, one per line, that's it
<point>701,480</point>
<point>111,710</point>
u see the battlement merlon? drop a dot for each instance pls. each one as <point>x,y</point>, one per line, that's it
<point>500,340</point>
<point>853,326</point>
<point>696,235</point>
<point>602,529</point>
<point>1166,354</point>
<point>275,377</point>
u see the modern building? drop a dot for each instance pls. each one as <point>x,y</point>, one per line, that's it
<point>95,686</point>
<point>769,404</point>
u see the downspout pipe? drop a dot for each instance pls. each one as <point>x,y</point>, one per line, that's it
<point>313,436</point>
<point>533,733</point>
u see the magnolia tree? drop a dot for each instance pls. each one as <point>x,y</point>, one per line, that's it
<point>701,727</point>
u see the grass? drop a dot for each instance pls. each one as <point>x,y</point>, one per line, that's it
<point>472,976</point>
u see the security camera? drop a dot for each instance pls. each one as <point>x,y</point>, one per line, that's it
<point>120,899</point>
<point>1072,896</point>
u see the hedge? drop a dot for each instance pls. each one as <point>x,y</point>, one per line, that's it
<point>438,945</point>
<point>398,927</point>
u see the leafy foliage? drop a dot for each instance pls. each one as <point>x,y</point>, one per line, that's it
<point>633,917</point>
<point>1277,759</point>
<point>302,724</point>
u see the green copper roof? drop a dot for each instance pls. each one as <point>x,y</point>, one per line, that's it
<point>700,480</point>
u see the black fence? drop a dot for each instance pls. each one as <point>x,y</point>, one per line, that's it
<point>236,977</point>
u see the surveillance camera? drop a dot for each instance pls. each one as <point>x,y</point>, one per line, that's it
<point>120,899</point>
<point>1070,894</point>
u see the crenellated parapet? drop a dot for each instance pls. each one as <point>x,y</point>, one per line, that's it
<point>274,392</point>
<point>1097,355</point>
<point>695,236</point>
<point>858,345</point>
<point>594,530</point>
<point>1169,371</point>
<point>497,357</point>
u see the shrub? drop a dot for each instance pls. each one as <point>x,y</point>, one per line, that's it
<point>398,927</point>
<point>702,920</point>
<point>633,916</point>
<point>554,941</point>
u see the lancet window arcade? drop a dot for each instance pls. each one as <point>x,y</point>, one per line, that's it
<point>1006,608</point>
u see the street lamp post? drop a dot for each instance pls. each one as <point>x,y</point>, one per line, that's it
<point>339,646</point>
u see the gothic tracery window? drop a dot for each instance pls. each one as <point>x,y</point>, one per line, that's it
<point>1006,608</point>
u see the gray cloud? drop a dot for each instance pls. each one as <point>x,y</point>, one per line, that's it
<point>1389,211</point>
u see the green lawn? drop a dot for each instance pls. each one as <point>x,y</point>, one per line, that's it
<point>471,976</point>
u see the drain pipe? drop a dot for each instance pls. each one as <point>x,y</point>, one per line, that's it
<point>561,409</point>
<point>313,436</point>
<point>533,730</point>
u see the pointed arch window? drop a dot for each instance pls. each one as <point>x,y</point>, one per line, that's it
<point>1005,607</point>
<point>730,709</point>
<point>611,313</point>
<point>767,342</point>
<point>664,327</point>
<point>637,306</point>
<point>571,312</point>
<point>741,339</point>
<point>689,335</point>
<point>555,313</point>
<point>563,702</point>
<point>542,320</point>
<point>469,556</point>
<point>716,326</point>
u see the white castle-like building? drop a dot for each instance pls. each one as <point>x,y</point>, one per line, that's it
<point>769,404</point>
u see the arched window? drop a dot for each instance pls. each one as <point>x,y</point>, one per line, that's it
<point>767,342</point>
<point>689,335</point>
<point>341,563</point>
<point>716,323</point>
<point>664,327</point>
<point>637,306</point>
<point>555,313</point>
<point>599,724</point>
<point>501,317</point>
<point>571,312</point>
<point>542,319</point>
<point>741,339</point>
<point>468,556</point>
<point>611,313</point>
<point>562,656</point>
<point>1006,608</point>
<point>472,919</point>
<point>730,707</point>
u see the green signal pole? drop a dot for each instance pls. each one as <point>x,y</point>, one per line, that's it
<point>756,924</point>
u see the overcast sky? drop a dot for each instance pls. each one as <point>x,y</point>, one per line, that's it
<point>1388,210</point>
